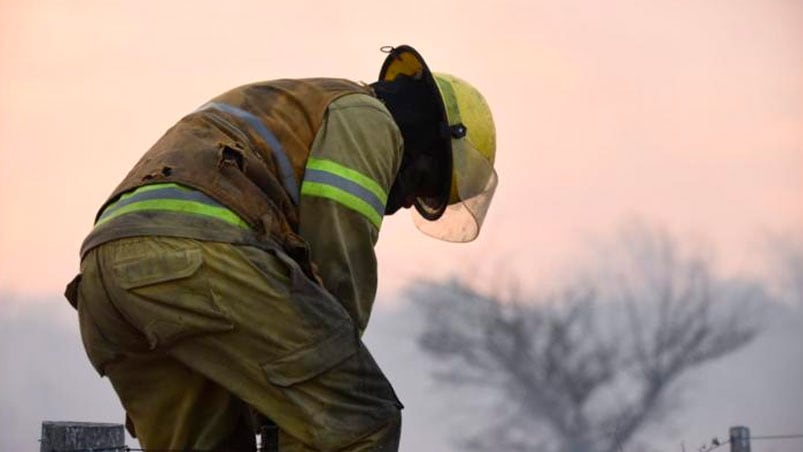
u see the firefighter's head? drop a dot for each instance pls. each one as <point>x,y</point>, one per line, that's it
<point>450,142</point>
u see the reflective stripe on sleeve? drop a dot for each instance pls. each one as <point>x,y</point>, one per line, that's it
<point>169,197</point>
<point>327,179</point>
<point>286,169</point>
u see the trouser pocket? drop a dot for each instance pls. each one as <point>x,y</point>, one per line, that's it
<point>167,293</point>
<point>305,364</point>
<point>337,391</point>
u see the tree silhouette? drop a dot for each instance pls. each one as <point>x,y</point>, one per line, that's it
<point>594,364</point>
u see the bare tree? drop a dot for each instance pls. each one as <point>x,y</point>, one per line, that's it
<point>594,364</point>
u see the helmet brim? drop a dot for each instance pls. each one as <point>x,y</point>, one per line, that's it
<point>405,60</point>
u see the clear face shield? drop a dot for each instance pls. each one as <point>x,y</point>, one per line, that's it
<point>474,182</point>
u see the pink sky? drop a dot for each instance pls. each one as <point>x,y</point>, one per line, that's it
<point>686,113</point>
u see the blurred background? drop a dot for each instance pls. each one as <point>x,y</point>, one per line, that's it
<point>650,157</point>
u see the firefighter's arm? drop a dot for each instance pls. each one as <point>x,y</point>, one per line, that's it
<point>353,162</point>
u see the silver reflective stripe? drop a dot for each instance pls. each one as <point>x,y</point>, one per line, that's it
<point>285,168</point>
<point>325,177</point>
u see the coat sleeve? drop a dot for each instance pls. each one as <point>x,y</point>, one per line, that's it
<point>353,162</point>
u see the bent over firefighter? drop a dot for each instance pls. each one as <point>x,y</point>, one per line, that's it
<point>230,275</point>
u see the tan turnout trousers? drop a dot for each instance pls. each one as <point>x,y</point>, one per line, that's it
<point>189,332</point>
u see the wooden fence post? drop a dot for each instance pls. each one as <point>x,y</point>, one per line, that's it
<point>740,439</point>
<point>81,436</point>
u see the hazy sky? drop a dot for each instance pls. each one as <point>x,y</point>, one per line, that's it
<point>688,113</point>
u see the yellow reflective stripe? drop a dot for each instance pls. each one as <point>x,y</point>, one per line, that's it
<point>350,174</point>
<point>343,197</point>
<point>179,206</point>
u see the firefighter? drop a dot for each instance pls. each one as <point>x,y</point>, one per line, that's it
<point>232,271</point>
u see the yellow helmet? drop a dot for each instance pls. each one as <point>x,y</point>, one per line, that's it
<point>456,214</point>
